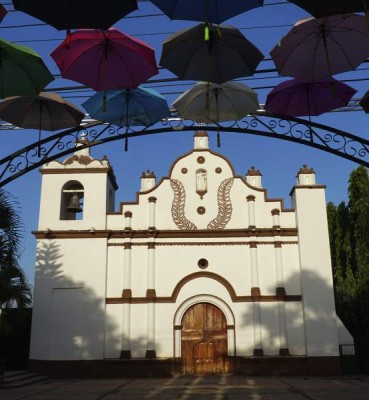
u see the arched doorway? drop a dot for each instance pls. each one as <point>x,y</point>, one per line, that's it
<point>204,340</point>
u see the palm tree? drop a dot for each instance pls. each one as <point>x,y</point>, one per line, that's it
<point>14,289</point>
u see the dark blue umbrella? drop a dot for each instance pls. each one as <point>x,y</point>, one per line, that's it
<point>128,107</point>
<point>212,11</point>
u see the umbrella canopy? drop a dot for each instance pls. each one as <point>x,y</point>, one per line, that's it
<point>299,98</point>
<point>326,8</point>
<point>129,107</point>
<point>3,12</point>
<point>214,11</point>
<point>22,70</point>
<point>317,48</point>
<point>364,102</point>
<point>76,14</point>
<point>105,59</point>
<point>47,111</point>
<point>225,56</point>
<point>209,102</point>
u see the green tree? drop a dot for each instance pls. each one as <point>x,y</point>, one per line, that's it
<point>14,289</point>
<point>349,238</point>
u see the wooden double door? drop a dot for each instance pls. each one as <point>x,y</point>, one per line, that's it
<point>204,341</point>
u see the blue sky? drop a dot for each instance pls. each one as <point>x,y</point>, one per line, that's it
<point>277,160</point>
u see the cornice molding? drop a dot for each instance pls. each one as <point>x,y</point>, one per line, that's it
<point>166,234</point>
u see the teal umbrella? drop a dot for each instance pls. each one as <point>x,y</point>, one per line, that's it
<point>128,107</point>
<point>22,70</point>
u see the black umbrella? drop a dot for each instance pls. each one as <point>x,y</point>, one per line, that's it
<point>364,102</point>
<point>77,14</point>
<point>226,55</point>
<point>326,8</point>
<point>214,11</point>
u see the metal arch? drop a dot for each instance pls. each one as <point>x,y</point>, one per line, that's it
<point>322,137</point>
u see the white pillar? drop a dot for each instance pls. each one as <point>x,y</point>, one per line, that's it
<point>275,215</point>
<point>231,340</point>
<point>126,338</point>
<point>150,350</point>
<point>127,295</point>
<point>151,296</point>
<point>251,210</point>
<point>255,293</point>
<point>177,341</point>
<point>281,293</point>
<point>127,266</point>
<point>128,220</point>
<point>254,265</point>
<point>152,204</point>
<point>151,265</point>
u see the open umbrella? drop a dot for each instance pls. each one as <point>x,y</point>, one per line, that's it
<point>3,12</point>
<point>128,107</point>
<point>326,8</point>
<point>364,102</point>
<point>213,11</point>
<point>213,103</point>
<point>46,111</point>
<point>317,48</point>
<point>225,56</point>
<point>22,70</point>
<point>105,59</point>
<point>298,98</point>
<point>77,14</point>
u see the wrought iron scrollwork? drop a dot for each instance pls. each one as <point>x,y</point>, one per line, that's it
<point>326,138</point>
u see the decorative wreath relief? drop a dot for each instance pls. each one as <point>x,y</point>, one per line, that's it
<point>224,205</point>
<point>178,206</point>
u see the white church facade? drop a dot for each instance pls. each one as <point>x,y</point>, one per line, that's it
<point>201,274</point>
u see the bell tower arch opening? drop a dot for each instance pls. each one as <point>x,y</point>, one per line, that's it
<point>71,204</point>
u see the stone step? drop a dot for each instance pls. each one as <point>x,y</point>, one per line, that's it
<point>16,379</point>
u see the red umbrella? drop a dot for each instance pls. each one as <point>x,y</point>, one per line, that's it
<point>105,59</point>
<point>299,98</point>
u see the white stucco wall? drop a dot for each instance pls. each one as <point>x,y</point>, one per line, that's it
<point>69,301</point>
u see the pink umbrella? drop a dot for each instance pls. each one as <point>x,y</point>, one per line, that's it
<point>299,98</point>
<point>105,59</point>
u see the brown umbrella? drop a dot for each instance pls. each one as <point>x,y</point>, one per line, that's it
<point>46,111</point>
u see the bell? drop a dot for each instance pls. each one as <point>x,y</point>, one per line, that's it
<point>74,206</point>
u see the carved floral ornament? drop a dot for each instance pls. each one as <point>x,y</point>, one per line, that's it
<point>224,206</point>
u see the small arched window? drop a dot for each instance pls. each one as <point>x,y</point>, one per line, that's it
<point>71,205</point>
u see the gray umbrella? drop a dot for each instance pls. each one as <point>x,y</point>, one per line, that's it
<point>213,103</point>
<point>226,55</point>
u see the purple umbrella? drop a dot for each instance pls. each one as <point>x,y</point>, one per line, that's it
<point>317,48</point>
<point>298,98</point>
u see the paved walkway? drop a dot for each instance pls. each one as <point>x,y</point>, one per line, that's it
<point>196,388</point>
